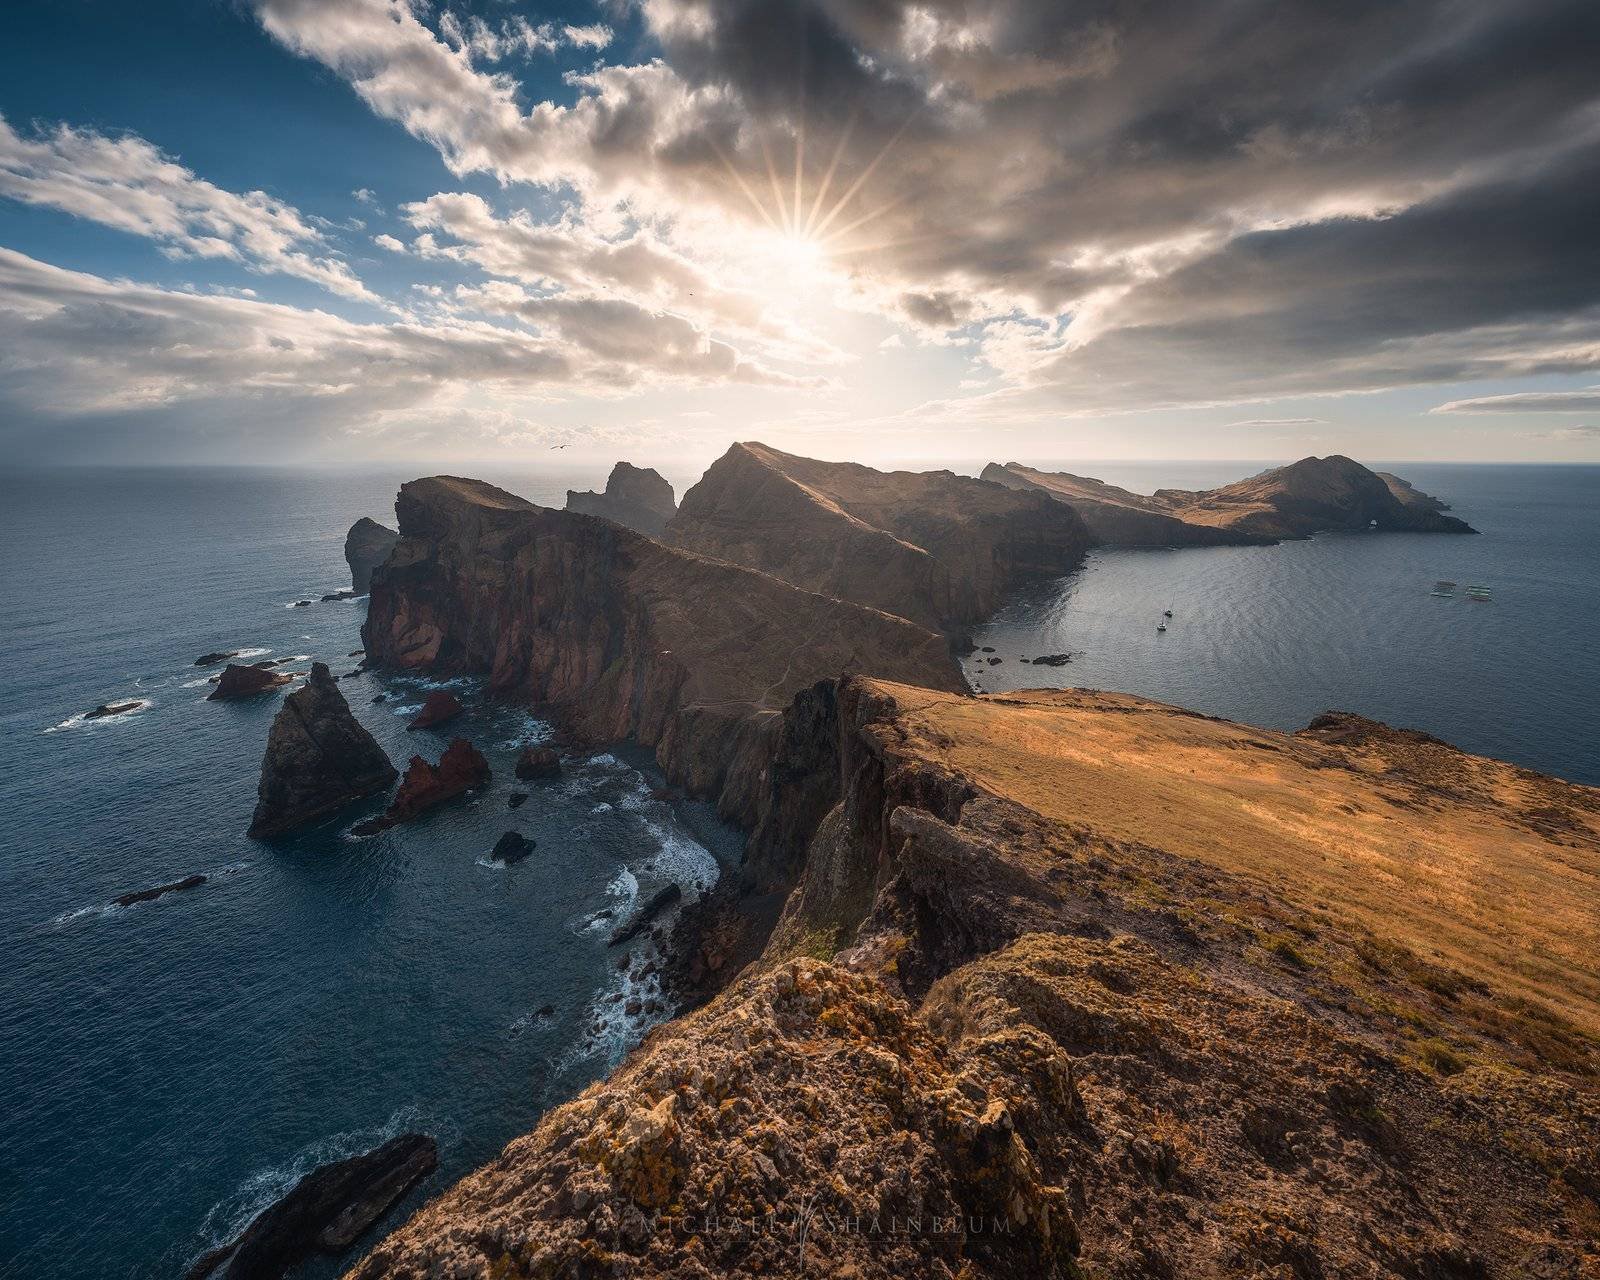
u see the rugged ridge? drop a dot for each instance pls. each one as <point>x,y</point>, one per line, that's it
<point>318,759</point>
<point>621,636</point>
<point>637,497</point>
<point>935,547</point>
<point>1045,1004</point>
<point>1296,501</point>
<point>366,546</point>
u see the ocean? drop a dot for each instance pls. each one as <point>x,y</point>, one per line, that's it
<point>172,1067</point>
<point>1275,635</point>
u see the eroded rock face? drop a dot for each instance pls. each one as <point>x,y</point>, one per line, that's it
<point>366,546</point>
<point>246,681</point>
<point>1306,497</point>
<point>935,547</point>
<point>620,636</point>
<point>637,497</point>
<point>1098,1017</point>
<point>318,759</point>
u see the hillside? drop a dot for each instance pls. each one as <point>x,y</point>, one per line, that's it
<point>1074,985</point>
<point>935,547</point>
<point>1296,501</point>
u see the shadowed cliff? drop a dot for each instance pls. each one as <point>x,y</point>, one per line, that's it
<point>935,547</point>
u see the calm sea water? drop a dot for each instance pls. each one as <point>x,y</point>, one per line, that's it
<point>1275,635</point>
<point>170,1068</point>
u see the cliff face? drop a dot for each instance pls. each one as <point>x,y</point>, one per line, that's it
<point>318,759</point>
<point>1042,1004</point>
<point>366,546</point>
<point>622,636</point>
<point>1306,497</point>
<point>935,547</point>
<point>637,497</point>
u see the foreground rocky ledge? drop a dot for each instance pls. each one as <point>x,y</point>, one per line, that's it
<point>1076,984</point>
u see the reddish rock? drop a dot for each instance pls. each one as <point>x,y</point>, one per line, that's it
<point>538,762</point>
<point>426,786</point>
<point>437,708</point>
<point>246,682</point>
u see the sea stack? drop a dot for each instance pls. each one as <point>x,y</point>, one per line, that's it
<point>366,546</point>
<point>240,681</point>
<point>318,759</point>
<point>637,497</point>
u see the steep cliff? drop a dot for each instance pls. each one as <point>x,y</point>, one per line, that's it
<point>619,635</point>
<point>1079,985</point>
<point>935,547</point>
<point>1306,497</point>
<point>638,497</point>
<point>366,546</point>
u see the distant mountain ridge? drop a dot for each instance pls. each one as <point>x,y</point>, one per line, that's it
<point>938,548</point>
<point>637,497</point>
<point>1310,496</point>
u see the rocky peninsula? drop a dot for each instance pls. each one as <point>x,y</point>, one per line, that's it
<point>1306,497</point>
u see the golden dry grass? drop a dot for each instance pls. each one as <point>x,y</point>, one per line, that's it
<point>1476,864</point>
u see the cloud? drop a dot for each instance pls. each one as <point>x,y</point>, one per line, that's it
<point>1586,400</point>
<point>1568,435</point>
<point>1277,422</point>
<point>386,241</point>
<point>126,183</point>
<point>1213,204</point>
<point>110,367</point>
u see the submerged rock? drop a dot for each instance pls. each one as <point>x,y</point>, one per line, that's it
<point>366,546</point>
<point>1052,660</point>
<point>246,682</point>
<point>645,916</point>
<point>318,759</point>
<point>426,786</point>
<point>326,1212</point>
<point>150,895</point>
<point>437,707</point>
<point>517,799</point>
<point>512,848</point>
<point>538,762</point>
<point>112,709</point>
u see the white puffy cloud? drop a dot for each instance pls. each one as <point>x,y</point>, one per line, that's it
<point>126,183</point>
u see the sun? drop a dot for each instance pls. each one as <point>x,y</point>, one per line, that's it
<point>796,252</point>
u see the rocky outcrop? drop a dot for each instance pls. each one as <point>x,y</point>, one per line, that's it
<point>646,915</point>
<point>327,1211</point>
<point>211,659</point>
<point>366,546</point>
<point>537,762</point>
<point>638,498</point>
<point>318,759</point>
<point>618,636</point>
<point>1076,984</point>
<point>438,707</point>
<point>511,848</point>
<point>159,891</point>
<point>934,547</point>
<point>1306,497</point>
<point>462,768</point>
<point>108,709</point>
<point>246,682</point>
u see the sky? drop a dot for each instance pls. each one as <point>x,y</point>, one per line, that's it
<point>346,231</point>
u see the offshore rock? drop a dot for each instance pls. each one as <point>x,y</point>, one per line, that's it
<point>366,546</point>
<point>318,759</point>
<point>538,762</point>
<point>150,895</point>
<point>511,848</point>
<point>326,1212</point>
<point>246,681</point>
<point>637,497</point>
<point>425,786</point>
<point>438,707</point>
